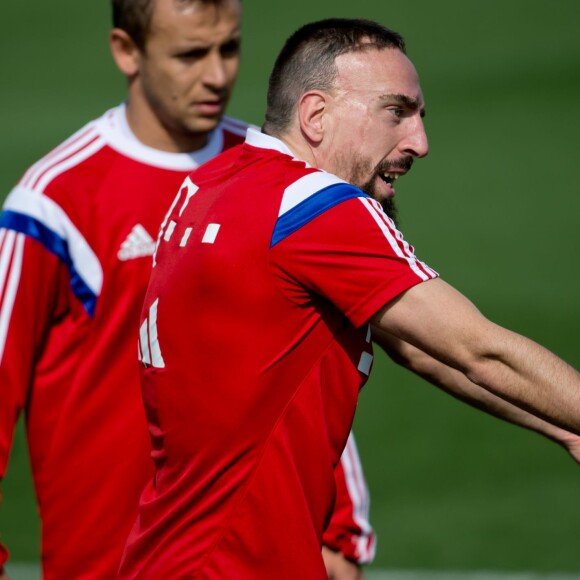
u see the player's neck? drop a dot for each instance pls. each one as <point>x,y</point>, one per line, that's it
<point>150,131</point>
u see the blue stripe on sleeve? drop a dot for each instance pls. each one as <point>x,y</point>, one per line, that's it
<point>312,207</point>
<point>53,243</point>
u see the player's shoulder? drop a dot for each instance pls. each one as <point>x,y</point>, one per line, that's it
<point>298,182</point>
<point>71,153</point>
<point>309,196</point>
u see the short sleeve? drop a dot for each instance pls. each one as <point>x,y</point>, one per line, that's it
<point>348,251</point>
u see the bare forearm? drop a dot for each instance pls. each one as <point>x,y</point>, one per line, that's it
<point>538,381</point>
<point>440,321</point>
<point>459,386</point>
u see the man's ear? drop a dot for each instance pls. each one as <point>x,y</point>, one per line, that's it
<point>311,114</point>
<point>125,52</point>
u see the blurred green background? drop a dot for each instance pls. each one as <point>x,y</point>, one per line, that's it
<point>494,208</point>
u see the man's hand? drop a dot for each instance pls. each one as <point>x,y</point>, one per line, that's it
<point>571,443</point>
<point>338,567</point>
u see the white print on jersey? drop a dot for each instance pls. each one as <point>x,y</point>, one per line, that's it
<point>137,244</point>
<point>149,348</point>
<point>185,237</point>
<point>169,230</point>
<point>189,188</point>
<point>365,362</point>
<point>210,234</point>
<point>366,358</point>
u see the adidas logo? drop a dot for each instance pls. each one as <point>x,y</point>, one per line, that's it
<point>137,244</point>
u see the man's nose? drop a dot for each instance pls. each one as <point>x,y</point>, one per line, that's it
<point>416,142</point>
<point>215,75</point>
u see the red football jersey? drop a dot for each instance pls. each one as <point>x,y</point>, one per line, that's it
<point>76,238</point>
<point>254,345</point>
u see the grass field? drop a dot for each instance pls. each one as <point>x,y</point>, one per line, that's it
<point>494,208</point>
<point>32,572</point>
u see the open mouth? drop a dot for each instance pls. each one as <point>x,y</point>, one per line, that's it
<point>389,178</point>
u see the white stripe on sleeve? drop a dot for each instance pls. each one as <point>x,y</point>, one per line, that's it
<point>11,253</point>
<point>392,236</point>
<point>358,491</point>
<point>43,209</point>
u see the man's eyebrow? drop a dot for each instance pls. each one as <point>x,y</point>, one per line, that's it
<point>403,100</point>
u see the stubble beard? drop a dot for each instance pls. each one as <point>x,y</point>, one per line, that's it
<point>391,209</point>
<point>361,168</point>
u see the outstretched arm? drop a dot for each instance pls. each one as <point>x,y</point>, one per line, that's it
<point>459,386</point>
<point>490,366</point>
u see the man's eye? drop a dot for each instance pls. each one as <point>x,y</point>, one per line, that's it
<point>397,111</point>
<point>231,48</point>
<point>194,54</point>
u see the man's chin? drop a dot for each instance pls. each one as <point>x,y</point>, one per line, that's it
<point>387,203</point>
<point>204,124</point>
<point>390,208</point>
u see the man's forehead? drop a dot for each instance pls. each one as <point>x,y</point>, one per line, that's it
<point>196,23</point>
<point>384,71</point>
<point>188,5</point>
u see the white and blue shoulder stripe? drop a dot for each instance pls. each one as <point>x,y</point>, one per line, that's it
<point>39,217</point>
<point>309,197</point>
<point>306,198</point>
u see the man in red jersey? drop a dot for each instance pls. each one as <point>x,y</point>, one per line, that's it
<point>80,226</point>
<point>280,255</point>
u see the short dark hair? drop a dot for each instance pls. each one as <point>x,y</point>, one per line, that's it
<point>307,62</point>
<point>134,17</point>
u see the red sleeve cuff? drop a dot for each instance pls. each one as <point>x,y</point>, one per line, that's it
<point>3,556</point>
<point>354,546</point>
